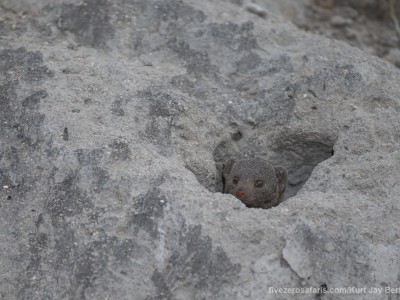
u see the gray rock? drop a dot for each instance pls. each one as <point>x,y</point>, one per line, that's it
<point>116,117</point>
<point>256,9</point>
<point>393,56</point>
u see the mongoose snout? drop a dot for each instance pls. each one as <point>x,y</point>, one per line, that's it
<point>240,193</point>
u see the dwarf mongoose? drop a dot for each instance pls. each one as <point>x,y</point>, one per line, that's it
<point>255,182</point>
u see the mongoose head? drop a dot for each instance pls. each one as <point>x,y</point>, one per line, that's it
<point>255,182</point>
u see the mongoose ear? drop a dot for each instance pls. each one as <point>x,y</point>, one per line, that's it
<point>282,176</point>
<point>226,169</point>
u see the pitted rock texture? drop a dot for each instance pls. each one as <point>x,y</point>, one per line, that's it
<point>116,118</point>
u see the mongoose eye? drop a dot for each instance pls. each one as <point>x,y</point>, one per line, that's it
<point>235,180</point>
<point>259,183</point>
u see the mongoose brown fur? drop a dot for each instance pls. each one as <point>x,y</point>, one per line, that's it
<point>255,182</point>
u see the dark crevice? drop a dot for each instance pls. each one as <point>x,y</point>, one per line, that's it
<point>322,290</point>
<point>299,153</point>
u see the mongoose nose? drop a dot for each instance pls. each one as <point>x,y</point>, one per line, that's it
<point>240,193</point>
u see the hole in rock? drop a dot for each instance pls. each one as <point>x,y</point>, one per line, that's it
<point>322,290</point>
<point>299,153</point>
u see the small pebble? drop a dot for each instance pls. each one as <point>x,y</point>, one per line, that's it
<point>257,10</point>
<point>327,4</point>
<point>339,21</point>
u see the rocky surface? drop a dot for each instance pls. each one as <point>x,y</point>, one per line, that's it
<point>371,25</point>
<point>116,117</point>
